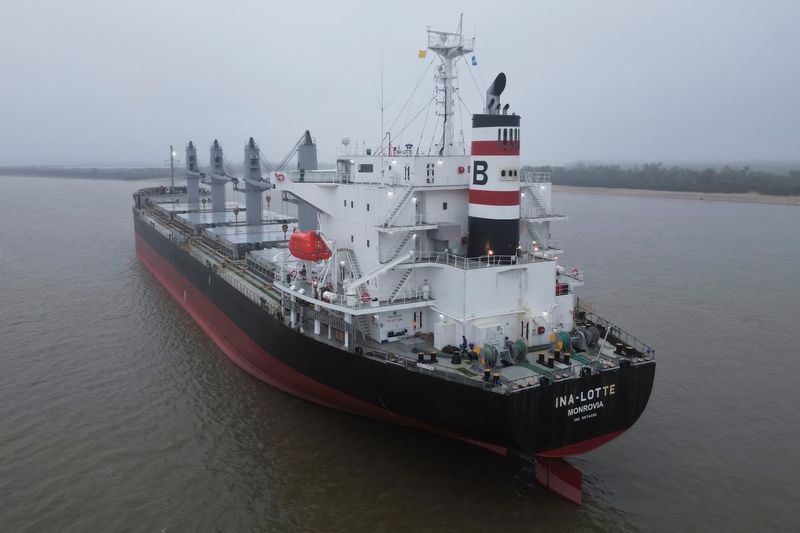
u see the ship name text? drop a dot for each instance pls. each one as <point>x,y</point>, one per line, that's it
<point>595,394</point>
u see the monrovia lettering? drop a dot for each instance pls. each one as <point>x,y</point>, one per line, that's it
<point>584,408</point>
<point>586,396</point>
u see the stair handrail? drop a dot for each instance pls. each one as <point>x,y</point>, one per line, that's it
<point>409,191</point>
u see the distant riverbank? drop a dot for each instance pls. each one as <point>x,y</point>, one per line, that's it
<point>704,182</point>
<point>750,197</point>
<point>88,173</point>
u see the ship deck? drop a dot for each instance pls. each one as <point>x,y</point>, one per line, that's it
<point>416,351</point>
<point>412,352</point>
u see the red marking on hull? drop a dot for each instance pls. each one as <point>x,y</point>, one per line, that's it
<point>493,197</point>
<point>583,446</point>
<point>249,356</point>
<point>493,148</point>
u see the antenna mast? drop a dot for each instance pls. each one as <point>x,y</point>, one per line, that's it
<point>171,168</point>
<point>449,46</point>
<point>383,132</point>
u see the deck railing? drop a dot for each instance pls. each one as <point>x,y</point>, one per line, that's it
<point>314,176</point>
<point>473,262</point>
<point>618,332</point>
<point>535,177</point>
<point>431,369</point>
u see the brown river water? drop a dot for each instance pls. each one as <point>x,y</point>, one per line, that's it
<point>117,413</point>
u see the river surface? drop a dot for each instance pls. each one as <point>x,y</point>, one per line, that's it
<point>118,413</point>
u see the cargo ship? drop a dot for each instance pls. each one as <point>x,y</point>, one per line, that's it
<point>416,285</point>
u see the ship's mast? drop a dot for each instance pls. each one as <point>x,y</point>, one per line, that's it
<point>171,168</point>
<point>449,46</point>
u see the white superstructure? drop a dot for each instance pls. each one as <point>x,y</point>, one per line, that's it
<point>396,222</point>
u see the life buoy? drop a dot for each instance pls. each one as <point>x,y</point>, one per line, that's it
<point>279,176</point>
<point>574,272</point>
<point>365,296</point>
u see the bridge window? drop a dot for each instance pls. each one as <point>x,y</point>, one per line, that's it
<point>366,168</point>
<point>367,207</point>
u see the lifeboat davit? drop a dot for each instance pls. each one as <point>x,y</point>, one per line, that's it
<point>308,246</point>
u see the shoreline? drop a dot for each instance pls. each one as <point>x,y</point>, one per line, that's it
<point>749,197</point>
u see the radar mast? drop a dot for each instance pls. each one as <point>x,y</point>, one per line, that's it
<point>449,46</point>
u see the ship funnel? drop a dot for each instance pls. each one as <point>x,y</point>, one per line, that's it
<point>493,94</point>
<point>494,191</point>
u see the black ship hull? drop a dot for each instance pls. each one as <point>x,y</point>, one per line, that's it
<point>564,418</point>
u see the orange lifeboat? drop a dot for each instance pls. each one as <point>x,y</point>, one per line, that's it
<point>308,246</point>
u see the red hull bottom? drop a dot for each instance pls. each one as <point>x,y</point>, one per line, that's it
<point>581,447</point>
<point>551,471</point>
<point>249,356</point>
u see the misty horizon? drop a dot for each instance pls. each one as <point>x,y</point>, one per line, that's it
<point>102,85</point>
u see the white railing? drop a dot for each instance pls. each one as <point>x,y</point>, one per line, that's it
<point>472,262</point>
<point>399,150</point>
<point>313,176</point>
<point>533,212</point>
<point>241,286</point>
<point>437,39</point>
<point>363,301</point>
<point>536,177</point>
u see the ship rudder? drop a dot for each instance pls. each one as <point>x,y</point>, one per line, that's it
<point>561,477</point>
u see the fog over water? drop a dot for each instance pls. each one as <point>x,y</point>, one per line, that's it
<point>119,413</point>
<point>97,82</point>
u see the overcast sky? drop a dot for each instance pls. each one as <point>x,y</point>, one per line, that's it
<point>102,82</point>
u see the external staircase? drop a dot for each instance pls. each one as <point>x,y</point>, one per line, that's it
<point>399,287</point>
<point>398,206</point>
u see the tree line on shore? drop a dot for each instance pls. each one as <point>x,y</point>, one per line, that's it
<point>656,176</point>
<point>96,173</point>
<point>652,176</point>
